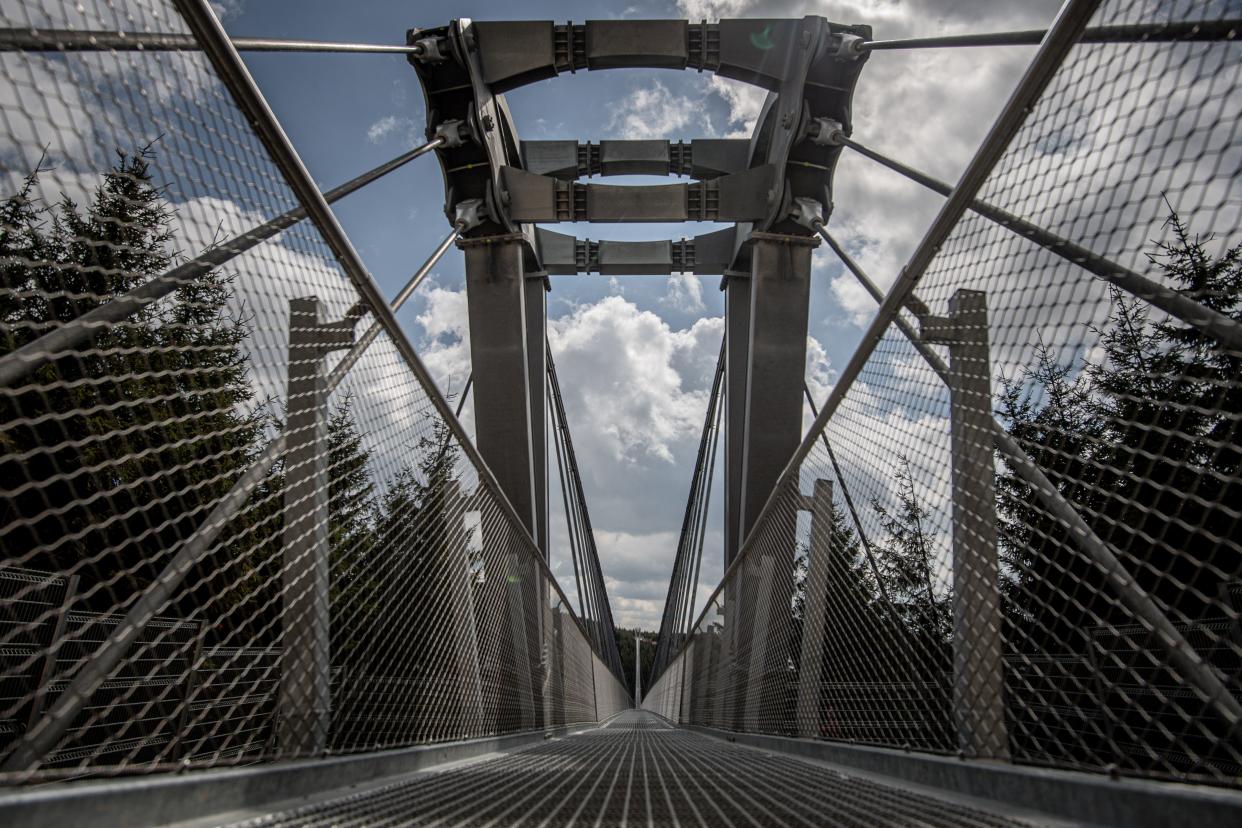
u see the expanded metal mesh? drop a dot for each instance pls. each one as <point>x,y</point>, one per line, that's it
<point>1088,621</point>
<point>365,587</point>
<point>636,770</point>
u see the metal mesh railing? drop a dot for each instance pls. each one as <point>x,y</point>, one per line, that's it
<point>1042,559</point>
<point>238,521</point>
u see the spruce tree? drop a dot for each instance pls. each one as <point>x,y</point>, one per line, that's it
<point>351,530</point>
<point>1144,443</point>
<point>114,450</point>
<point>905,561</point>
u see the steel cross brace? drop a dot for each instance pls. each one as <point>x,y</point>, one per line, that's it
<point>808,66</point>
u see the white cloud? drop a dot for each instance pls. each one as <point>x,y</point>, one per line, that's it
<point>614,358</point>
<point>745,102</point>
<point>391,126</point>
<point>228,9</point>
<point>652,112</point>
<point>684,292</point>
<point>445,347</point>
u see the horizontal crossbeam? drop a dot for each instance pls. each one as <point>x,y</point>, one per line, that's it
<point>517,52</point>
<point>541,198</point>
<point>705,255</point>
<point>700,158</point>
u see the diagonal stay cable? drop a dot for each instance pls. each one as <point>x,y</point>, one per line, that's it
<point>80,40</point>
<point>570,525</point>
<point>1224,328</point>
<point>698,536</point>
<point>1168,32</point>
<point>590,550</point>
<point>697,559</point>
<point>669,622</point>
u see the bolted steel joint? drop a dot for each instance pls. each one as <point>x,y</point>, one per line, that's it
<point>849,46</point>
<point>452,133</point>
<point>808,212</point>
<point>469,214</point>
<point>826,132</point>
<point>430,49</point>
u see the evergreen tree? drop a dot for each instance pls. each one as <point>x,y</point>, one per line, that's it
<point>1144,443</point>
<point>400,581</point>
<point>111,451</point>
<point>351,530</point>
<point>911,698</point>
<point>905,562</point>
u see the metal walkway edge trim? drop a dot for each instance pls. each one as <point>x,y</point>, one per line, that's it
<point>1083,797</point>
<point>168,798</point>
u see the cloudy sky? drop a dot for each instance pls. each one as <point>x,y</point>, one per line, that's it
<point>635,355</point>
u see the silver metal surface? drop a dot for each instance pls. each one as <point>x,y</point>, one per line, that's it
<point>1163,32</point>
<point>637,770</point>
<point>73,40</point>
<point>978,642</point>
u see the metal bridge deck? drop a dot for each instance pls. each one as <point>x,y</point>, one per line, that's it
<point>637,770</point>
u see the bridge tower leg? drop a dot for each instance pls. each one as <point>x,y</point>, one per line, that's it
<point>766,323</point>
<point>737,349</point>
<point>508,409</point>
<point>766,367</point>
<point>509,359</point>
<point>978,644</point>
<point>535,314</point>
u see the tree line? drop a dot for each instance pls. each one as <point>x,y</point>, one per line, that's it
<point>1143,440</point>
<point>113,454</point>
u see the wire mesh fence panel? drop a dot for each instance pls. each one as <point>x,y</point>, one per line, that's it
<point>1043,564</point>
<point>237,523</point>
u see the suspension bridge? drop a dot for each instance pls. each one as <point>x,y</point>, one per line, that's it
<point>256,571</point>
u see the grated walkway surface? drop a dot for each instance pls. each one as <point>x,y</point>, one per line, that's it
<point>635,771</point>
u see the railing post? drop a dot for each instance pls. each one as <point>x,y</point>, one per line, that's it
<point>455,571</point>
<point>305,695</point>
<point>756,657</point>
<point>518,593</point>
<point>187,701</point>
<point>50,657</point>
<point>815,612</point>
<point>978,666</point>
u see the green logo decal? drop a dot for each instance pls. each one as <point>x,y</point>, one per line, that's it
<point>763,40</point>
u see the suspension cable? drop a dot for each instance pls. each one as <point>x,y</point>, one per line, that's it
<point>588,553</point>
<point>1225,329</point>
<point>674,619</point>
